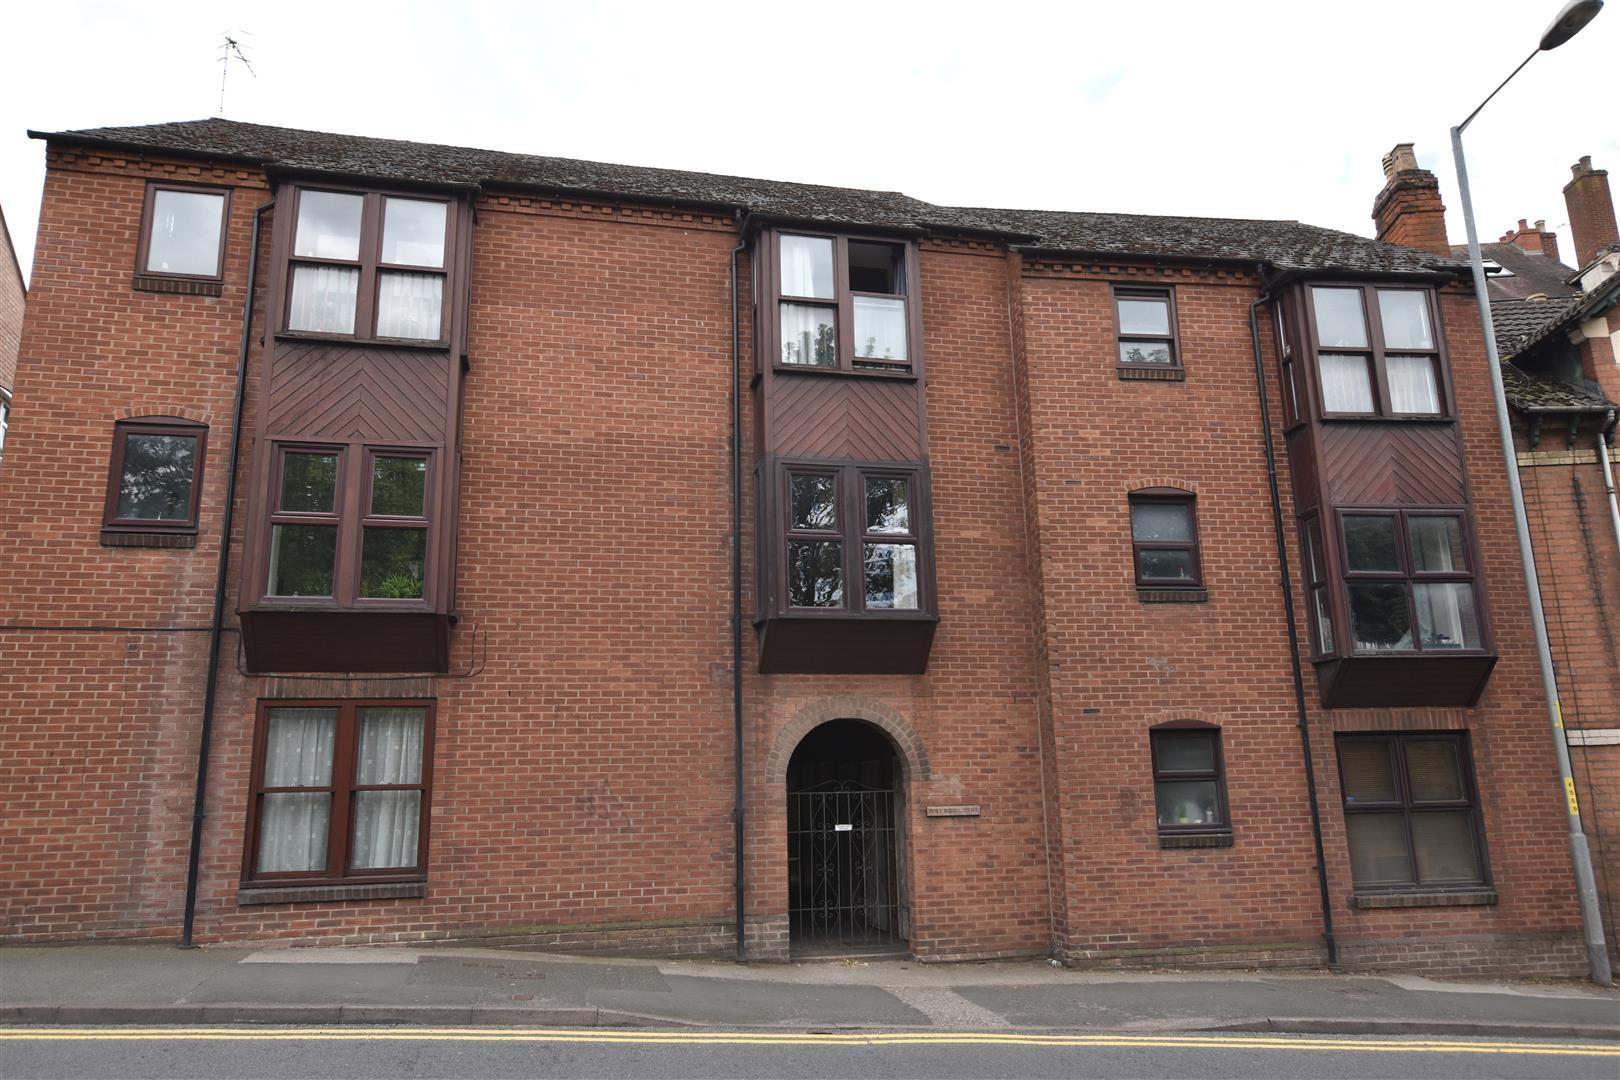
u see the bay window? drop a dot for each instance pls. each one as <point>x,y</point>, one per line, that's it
<point>852,539</point>
<point>368,266</point>
<point>844,304</point>
<point>1377,352</point>
<point>1409,582</point>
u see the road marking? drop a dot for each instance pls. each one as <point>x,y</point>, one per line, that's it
<point>731,1038</point>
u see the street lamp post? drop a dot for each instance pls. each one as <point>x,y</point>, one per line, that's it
<point>1574,16</point>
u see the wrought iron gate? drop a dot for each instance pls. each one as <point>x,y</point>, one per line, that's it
<point>842,887</point>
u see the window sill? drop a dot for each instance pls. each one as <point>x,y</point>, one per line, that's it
<point>1424,898</point>
<point>158,283</point>
<point>1152,374</point>
<point>1195,840</point>
<point>314,894</point>
<point>1172,596</point>
<point>846,373</point>
<point>137,539</point>
<point>1378,418</point>
<point>370,342</point>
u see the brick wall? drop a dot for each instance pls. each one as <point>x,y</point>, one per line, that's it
<point>12,298</point>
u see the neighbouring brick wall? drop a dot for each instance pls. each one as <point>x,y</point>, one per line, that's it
<point>12,298</point>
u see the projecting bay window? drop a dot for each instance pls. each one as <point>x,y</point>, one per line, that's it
<point>368,266</point>
<point>844,304</point>
<point>851,525</point>
<point>1409,582</point>
<point>1378,355</point>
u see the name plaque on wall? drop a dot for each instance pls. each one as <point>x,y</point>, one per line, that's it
<point>959,810</point>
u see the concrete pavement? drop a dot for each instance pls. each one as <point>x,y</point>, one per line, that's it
<point>446,985</point>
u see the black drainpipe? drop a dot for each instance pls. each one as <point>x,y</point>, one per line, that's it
<point>736,597</point>
<point>216,628</point>
<point>1293,630</point>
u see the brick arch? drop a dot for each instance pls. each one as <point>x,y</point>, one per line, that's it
<point>141,409</point>
<point>908,745</point>
<point>1143,482</point>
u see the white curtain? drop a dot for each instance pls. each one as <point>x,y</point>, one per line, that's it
<point>409,306</point>
<point>1446,618</point>
<point>808,336</point>
<point>323,299</point>
<point>387,823</point>
<point>880,328</point>
<point>1412,387</point>
<point>807,267</point>
<point>293,824</point>
<point>1346,383</point>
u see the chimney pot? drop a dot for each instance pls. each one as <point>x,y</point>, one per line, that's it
<point>1401,159</point>
<point>1541,224</point>
<point>1523,224</point>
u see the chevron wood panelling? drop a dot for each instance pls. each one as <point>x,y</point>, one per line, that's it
<point>1392,464</point>
<point>817,416</point>
<point>324,391</point>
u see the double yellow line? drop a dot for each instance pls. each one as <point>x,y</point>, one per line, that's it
<point>629,1037</point>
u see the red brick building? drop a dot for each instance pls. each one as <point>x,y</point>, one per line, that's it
<point>13,299</point>
<point>1046,583</point>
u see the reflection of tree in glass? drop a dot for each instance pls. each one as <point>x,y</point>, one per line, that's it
<point>815,577</point>
<point>1369,544</point>
<point>879,577</point>
<point>156,484</point>
<point>886,509</point>
<point>1154,354</point>
<point>820,352</point>
<point>870,349</point>
<point>391,563</point>
<point>397,485</point>
<point>813,503</point>
<point>309,483</point>
<point>301,560</point>
<point>1380,617</point>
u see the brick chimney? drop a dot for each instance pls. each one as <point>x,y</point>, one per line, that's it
<point>1591,210</point>
<point>1539,239</point>
<point>1409,211</point>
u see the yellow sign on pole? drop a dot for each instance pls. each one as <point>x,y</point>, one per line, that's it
<point>1569,792</point>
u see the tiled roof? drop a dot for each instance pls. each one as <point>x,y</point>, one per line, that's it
<point>1286,245</point>
<point>1531,392</point>
<point>1532,272</point>
<point>1521,323</point>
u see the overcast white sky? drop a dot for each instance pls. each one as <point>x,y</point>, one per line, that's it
<point>1229,109</point>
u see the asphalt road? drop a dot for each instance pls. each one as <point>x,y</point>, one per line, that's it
<point>488,1053</point>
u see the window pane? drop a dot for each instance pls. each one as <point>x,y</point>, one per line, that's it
<point>1139,315</point>
<point>815,502</point>
<point>1369,543</point>
<point>891,576</point>
<point>880,328</point>
<point>1444,845</point>
<point>1324,619</point>
<point>301,560</point>
<point>1187,802</point>
<point>413,232</point>
<point>1405,315</point>
<point>815,573</point>
<point>1380,620</point>
<point>1434,769</point>
<point>292,831</point>
<point>328,225</point>
<point>1313,551</point>
<point>1185,753</point>
<point>390,745</point>
<point>1378,849</point>
<point>386,826</point>
<point>1368,771</point>
<point>1446,615</point>
<point>185,233</point>
<point>807,267</point>
<point>309,483</point>
<point>391,563</point>
<point>1346,383</point>
<point>157,477</point>
<point>398,485</point>
<point>298,747</point>
<point>1437,545</point>
<point>1164,565</point>
<point>323,299</point>
<point>1412,387</point>
<point>809,335</point>
<point>1161,521</point>
<point>876,267</point>
<point>409,305</point>
<point>887,505</point>
<point>1340,322</point>
<point>1290,390</point>
<point>1145,352</point>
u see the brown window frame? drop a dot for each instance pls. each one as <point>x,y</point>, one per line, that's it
<point>370,266</point>
<point>1378,353</point>
<point>1288,374</point>
<point>851,532</point>
<point>143,248</point>
<point>1187,730</point>
<point>345,764</point>
<point>842,303</point>
<point>1166,293</point>
<point>1163,496</point>
<point>1407,806</point>
<point>165,425</point>
<point>1409,576</point>
<point>1318,585</point>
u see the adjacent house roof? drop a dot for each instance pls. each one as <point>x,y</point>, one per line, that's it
<point>1531,393</point>
<point>1532,272</point>
<point>1521,323</point>
<point>1286,245</point>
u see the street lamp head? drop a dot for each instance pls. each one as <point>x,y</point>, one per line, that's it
<point>1570,21</point>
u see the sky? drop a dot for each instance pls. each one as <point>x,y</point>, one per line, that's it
<point>1224,109</point>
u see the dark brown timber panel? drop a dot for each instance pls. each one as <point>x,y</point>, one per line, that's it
<point>827,416</point>
<point>321,390</point>
<point>1393,464</point>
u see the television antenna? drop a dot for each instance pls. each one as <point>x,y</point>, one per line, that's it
<point>230,50</point>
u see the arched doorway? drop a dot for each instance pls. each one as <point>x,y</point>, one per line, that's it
<point>845,844</point>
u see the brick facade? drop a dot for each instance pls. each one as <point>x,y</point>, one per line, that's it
<point>583,770</point>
